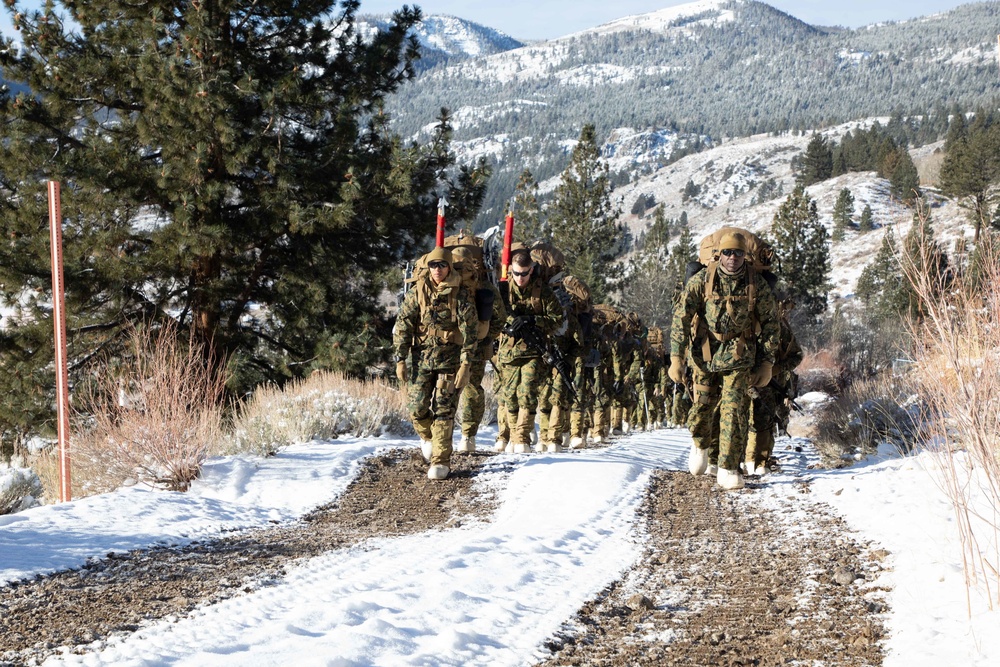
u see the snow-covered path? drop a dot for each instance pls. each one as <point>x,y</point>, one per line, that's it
<point>486,593</point>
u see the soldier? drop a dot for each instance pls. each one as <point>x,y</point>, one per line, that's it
<point>556,395</point>
<point>439,318</point>
<point>600,373</point>
<point>770,405</point>
<point>721,310</point>
<point>473,397</point>
<point>534,314</point>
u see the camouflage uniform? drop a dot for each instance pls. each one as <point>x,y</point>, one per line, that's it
<point>473,396</point>
<point>522,366</point>
<point>599,376</point>
<point>723,352</point>
<point>440,321</point>
<point>555,398</point>
<point>770,403</point>
<point>622,388</point>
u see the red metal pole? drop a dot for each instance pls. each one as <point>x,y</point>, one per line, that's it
<point>508,238</point>
<point>59,322</point>
<point>440,228</point>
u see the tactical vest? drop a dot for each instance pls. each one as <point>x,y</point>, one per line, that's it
<point>439,311</point>
<point>700,329</point>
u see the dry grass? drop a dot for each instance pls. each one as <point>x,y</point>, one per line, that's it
<point>870,412</point>
<point>153,418</point>
<point>820,371</point>
<point>324,405</point>
<point>958,372</point>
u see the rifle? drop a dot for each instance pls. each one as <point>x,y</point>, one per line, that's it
<point>645,391</point>
<point>527,331</point>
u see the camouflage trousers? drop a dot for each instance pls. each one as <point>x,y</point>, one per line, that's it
<point>680,405</point>
<point>432,395</point>
<point>522,382</point>
<point>473,400</point>
<point>719,415</point>
<point>600,400</point>
<point>643,412</point>
<point>760,442</point>
<point>432,401</point>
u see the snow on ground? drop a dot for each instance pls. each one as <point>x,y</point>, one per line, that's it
<point>487,593</point>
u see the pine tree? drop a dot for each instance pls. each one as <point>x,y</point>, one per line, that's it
<point>924,262</point>
<point>584,221</point>
<point>803,249</point>
<point>971,168</point>
<point>867,221</point>
<point>226,164</point>
<point>817,163</point>
<point>904,181</point>
<point>527,212</point>
<point>881,285</point>
<point>843,211</point>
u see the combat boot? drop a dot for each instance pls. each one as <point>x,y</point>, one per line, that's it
<point>730,480</point>
<point>500,446</point>
<point>544,423</point>
<point>423,427</point>
<point>697,460</point>
<point>467,444</point>
<point>442,430</point>
<point>521,434</point>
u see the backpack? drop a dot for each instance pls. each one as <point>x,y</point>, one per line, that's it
<point>760,254</point>
<point>549,259</point>
<point>655,338</point>
<point>579,292</point>
<point>471,245</point>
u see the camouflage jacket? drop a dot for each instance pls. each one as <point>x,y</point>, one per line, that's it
<point>438,320</point>
<point>715,321</point>
<point>788,355</point>
<point>536,298</point>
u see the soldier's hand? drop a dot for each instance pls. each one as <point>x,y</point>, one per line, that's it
<point>401,372</point>
<point>462,376</point>
<point>678,367</point>
<point>762,376</point>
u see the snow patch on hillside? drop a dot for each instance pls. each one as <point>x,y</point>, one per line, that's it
<point>705,12</point>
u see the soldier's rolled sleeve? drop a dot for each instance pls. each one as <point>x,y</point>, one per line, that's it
<point>767,316</point>
<point>406,325</point>
<point>468,324</point>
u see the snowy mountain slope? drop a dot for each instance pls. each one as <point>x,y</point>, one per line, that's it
<point>731,177</point>
<point>489,592</point>
<point>447,38</point>
<point>713,68</point>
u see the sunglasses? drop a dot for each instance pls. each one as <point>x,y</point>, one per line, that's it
<point>437,265</point>
<point>729,252</point>
<point>520,274</point>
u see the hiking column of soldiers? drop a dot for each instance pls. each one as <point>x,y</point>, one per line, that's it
<point>586,372</point>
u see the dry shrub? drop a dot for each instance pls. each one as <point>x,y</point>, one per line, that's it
<point>957,370</point>
<point>20,489</point>
<point>819,371</point>
<point>153,418</point>
<point>324,405</point>
<point>871,411</point>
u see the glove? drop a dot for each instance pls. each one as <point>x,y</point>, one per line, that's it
<point>462,376</point>
<point>762,376</point>
<point>401,372</point>
<point>678,367</point>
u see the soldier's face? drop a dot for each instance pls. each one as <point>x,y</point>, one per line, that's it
<point>439,271</point>
<point>733,261</point>
<point>521,274</point>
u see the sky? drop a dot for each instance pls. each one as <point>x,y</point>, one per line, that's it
<point>452,598</point>
<point>547,19</point>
